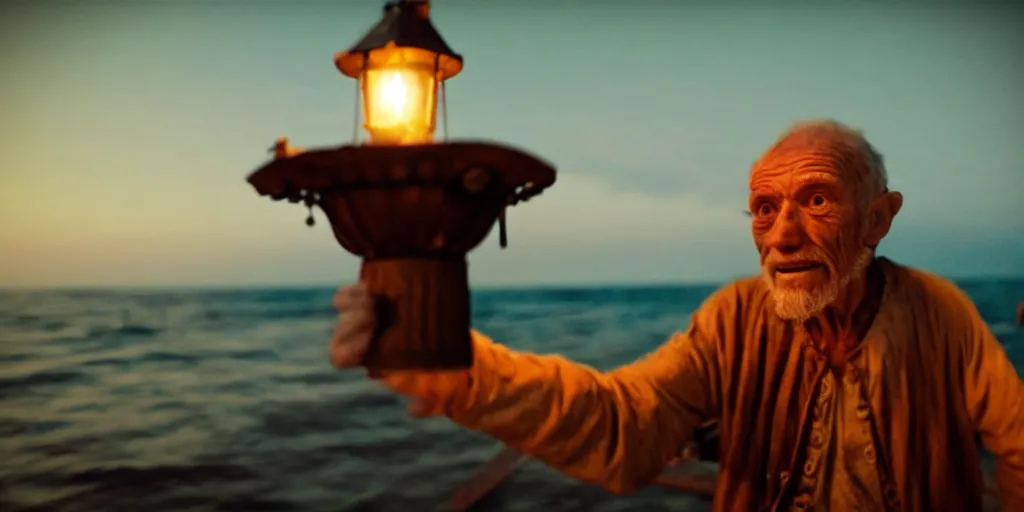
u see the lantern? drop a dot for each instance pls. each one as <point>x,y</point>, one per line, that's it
<point>411,208</point>
<point>400,64</point>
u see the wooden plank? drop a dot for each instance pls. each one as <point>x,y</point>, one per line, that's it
<point>487,479</point>
<point>690,476</point>
<point>685,476</point>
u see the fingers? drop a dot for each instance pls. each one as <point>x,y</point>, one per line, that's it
<point>356,324</point>
<point>350,295</point>
<point>349,343</point>
<point>357,321</point>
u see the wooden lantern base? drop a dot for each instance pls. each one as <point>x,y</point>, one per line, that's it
<point>423,314</point>
<point>412,213</point>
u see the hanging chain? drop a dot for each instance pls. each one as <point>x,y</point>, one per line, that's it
<point>358,109</point>
<point>355,116</point>
<point>444,109</point>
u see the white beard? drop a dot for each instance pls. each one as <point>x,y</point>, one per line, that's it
<point>801,305</point>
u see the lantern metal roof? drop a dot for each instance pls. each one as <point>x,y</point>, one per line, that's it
<point>405,24</point>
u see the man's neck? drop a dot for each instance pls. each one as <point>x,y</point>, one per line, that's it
<point>839,328</point>
<point>838,316</point>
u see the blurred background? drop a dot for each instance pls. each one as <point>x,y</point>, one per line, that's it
<point>163,330</point>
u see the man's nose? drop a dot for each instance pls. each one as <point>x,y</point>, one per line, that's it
<point>786,234</point>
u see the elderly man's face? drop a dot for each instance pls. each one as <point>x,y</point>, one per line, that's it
<point>808,223</point>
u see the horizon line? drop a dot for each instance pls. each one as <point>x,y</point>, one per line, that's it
<point>489,287</point>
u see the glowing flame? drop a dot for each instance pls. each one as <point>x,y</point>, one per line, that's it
<point>399,105</point>
<point>394,95</point>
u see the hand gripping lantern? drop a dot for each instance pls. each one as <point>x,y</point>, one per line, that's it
<point>411,208</point>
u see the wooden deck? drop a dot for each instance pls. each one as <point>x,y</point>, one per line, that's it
<point>689,474</point>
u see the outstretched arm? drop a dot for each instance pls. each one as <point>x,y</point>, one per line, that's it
<point>995,401</point>
<point>617,429</point>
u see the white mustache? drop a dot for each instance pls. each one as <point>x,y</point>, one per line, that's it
<point>774,259</point>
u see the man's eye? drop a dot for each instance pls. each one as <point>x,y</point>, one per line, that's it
<point>818,200</point>
<point>764,210</point>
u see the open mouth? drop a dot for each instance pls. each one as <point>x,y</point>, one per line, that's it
<point>797,266</point>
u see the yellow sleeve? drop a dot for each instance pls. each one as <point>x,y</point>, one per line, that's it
<point>617,429</point>
<point>995,401</point>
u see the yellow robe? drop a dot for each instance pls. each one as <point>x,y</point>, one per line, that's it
<point>934,378</point>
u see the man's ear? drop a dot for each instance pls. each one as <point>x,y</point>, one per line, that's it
<point>883,210</point>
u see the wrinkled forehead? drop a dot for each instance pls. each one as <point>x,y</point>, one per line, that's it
<point>810,153</point>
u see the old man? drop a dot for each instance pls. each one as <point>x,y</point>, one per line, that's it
<point>840,380</point>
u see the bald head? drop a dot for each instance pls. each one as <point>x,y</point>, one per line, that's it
<point>853,156</point>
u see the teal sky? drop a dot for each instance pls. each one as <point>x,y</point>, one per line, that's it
<point>129,128</point>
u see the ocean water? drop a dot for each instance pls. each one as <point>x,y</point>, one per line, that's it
<point>226,400</point>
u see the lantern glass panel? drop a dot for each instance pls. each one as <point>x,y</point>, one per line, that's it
<point>400,95</point>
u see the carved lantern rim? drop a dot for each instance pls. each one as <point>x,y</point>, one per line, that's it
<point>515,172</point>
<point>430,200</point>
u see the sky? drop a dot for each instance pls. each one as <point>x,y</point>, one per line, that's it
<point>128,129</point>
